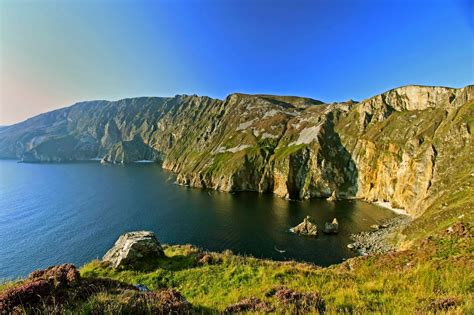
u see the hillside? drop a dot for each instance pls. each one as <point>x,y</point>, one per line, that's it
<point>411,146</point>
<point>433,277</point>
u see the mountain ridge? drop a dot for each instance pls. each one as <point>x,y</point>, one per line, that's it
<point>397,147</point>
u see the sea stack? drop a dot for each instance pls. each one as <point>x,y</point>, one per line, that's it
<point>306,227</point>
<point>331,228</point>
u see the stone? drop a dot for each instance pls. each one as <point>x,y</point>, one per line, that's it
<point>132,248</point>
<point>305,228</point>
<point>332,197</point>
<point>331,228</point>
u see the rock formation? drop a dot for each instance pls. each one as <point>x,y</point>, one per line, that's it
<point>305,228</point>
<point>134,248</point>
<point>400,147</point>
<point>331,228</point>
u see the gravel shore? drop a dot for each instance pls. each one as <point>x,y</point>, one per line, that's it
<point>376,241</point>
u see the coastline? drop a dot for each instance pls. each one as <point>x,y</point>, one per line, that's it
<point>387,205</point>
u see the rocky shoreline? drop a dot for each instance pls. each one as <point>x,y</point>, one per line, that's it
<point>377,241</point>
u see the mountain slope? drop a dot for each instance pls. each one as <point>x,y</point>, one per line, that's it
<point>411,146</point>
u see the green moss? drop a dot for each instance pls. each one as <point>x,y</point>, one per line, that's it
<point>284,151</point>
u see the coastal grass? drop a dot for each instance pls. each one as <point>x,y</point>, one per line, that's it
<point>436,275</point>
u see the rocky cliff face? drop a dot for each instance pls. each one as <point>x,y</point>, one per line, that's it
<point>397,147</point>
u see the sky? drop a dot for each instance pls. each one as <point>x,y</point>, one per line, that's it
<point>56,53</point>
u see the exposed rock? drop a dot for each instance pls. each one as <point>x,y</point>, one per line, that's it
<point>249,305</point>
<point>331,228</point>
<point>396,147</point>
<point>133,248</point>
<point>305,228</point>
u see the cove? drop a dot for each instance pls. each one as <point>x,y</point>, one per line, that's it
<point>74,212</point>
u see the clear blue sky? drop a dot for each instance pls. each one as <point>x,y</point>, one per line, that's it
<point>54,53</point>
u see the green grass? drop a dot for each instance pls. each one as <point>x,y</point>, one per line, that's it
<point>404,282</point>
<point>284,151</point>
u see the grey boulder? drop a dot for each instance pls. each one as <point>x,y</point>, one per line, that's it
<point>132,248</point>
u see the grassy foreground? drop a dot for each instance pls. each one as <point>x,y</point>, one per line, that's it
<point>436,275</point>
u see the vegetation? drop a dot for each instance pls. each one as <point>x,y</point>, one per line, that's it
<point>439,269</point>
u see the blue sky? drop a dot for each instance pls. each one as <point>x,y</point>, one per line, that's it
<point>55,53</point>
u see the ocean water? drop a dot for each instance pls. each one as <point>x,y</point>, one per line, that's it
<point>74,212</point>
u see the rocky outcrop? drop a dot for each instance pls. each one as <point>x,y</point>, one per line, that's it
<point>331,227</point>
<point>305,228</point>
<point>394,147</point>
<point>134,248</point>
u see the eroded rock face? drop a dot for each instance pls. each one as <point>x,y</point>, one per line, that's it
<point>134,248</point>
<point>306,228</point>
<point>395,147</point>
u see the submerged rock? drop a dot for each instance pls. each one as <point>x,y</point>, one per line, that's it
<point>331,228</point>
<point>306,227</point>
<point>133,247</point>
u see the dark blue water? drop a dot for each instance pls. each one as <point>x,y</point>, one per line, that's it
<point>57,213</point>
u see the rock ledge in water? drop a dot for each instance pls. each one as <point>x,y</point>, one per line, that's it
<point>331,228</point>
<point>305,228</point>
<point>133,247</point>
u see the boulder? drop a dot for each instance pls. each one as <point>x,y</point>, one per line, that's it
<point>305,228</point>
<point>331,228</point>
<point>132,248</point>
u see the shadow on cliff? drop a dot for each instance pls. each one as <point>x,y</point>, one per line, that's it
<point>338,175</point>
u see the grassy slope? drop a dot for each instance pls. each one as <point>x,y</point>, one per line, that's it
<point>398,283</point>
